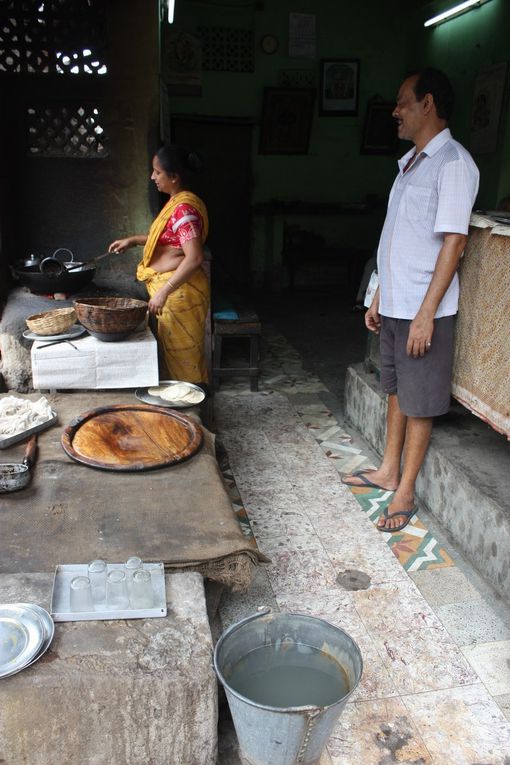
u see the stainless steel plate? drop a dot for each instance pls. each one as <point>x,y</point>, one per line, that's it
<point>143,394</point>
<point>48,626</point>
<point>22,634</point>
<point>75,331</point>
<point>48,632</point>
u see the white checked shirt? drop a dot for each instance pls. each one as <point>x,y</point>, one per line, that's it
<point>434,197</point>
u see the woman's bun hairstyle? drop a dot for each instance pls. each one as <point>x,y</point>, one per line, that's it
<point>194,162</point>
<point>176,160</point>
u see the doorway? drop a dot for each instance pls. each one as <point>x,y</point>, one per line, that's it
<point>225,184</point>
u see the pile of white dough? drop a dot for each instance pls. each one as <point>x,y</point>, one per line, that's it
<point>20,414</point>
<point>179,392</point>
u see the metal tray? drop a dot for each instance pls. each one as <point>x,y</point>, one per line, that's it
<point>143,394</point>
<point>48,625</point>
<point>75,331</point>
<point>60,609</point>
<point>22,635</point>
<point>10,440</point>
<point>48,629</point>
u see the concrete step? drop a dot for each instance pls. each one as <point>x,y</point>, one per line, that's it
<point>465,479</point>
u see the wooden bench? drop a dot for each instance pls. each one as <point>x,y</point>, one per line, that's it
<point>246,326</point>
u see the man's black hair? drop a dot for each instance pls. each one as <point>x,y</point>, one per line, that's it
<point>435,82</point>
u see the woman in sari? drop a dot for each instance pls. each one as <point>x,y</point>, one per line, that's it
<point>171,266</point>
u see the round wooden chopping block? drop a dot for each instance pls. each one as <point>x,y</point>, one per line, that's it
<point>131,437</point>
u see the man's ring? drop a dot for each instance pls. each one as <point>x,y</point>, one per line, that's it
<point>428,345</point>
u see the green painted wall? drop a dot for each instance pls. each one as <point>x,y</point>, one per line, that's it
<point>333,170</point>
<point>388,38</point>
<point>463,47</point>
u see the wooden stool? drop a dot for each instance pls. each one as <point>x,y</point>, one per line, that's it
<point>248,326</point>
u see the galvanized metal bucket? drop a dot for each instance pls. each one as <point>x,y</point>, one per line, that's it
<point>292,735</point>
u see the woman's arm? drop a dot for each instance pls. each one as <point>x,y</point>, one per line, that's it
<point>193,258</point>
<point>121,245</point>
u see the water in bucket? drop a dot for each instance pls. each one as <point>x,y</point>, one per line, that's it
<point>287,678</point>
<point>294,675</point>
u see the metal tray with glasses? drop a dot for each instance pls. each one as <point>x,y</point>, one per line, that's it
<point>26,631</point>
<point>143,394</point>
<point>60,601</point>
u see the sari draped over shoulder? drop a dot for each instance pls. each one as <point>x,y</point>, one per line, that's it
<point>143,271</point>
<point>181,323</point>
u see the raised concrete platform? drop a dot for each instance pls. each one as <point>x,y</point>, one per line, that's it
<point>464,482</point>
<point>114,692</point>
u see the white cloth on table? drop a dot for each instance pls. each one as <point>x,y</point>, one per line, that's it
<point>91,364</point>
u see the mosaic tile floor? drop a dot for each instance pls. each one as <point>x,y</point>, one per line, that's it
<point>430,695</point>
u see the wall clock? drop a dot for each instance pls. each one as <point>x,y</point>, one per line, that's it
<point>269,44</point>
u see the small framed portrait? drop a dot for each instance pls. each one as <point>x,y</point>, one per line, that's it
<point>286,120</point>
<point>486,111</point>
<point>380,134</point>
<point>339,85</point>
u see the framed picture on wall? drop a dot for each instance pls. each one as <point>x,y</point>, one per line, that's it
<point>486,110</point>
<point>286,120</point>
<point>380,129</point>
<point>182,63</point>
<point>339,84</point>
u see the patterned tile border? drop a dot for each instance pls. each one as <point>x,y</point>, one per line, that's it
<point>282,371</point>
<point>235,496</point>
<point>414,546</point>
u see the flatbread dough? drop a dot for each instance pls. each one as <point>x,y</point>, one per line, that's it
<point>157,390</point>
<point>193,396</point>
<point>177,392</point>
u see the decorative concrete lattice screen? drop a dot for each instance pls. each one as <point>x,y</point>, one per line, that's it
<point>65,131</point>
<point>55,36</point>
<point>227,50</point>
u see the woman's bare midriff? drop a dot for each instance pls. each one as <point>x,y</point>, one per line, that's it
<point>166,258</point>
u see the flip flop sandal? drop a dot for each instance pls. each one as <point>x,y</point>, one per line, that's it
<point>384,515</point>
<point>408,514</point>
<point>365,482</point>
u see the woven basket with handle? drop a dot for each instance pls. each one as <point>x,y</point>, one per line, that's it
<point>52,322</point>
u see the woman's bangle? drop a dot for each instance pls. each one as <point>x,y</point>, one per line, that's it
<point>171,284</point>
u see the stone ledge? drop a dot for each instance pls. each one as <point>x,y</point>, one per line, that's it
<point>114,692</point>
<point>472,511</point>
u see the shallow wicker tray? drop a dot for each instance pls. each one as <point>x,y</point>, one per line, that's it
<point>51,322</point>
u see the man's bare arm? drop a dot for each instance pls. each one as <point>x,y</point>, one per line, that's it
<point>422,326</point>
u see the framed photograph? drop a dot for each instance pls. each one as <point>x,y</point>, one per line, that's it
<point>380,129</point>
<point>286,120</point>
<point>182,64</point>
<point>486,111</point>
<point>339,84</point>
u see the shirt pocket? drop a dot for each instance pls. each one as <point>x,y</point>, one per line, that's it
<point>417,200</point>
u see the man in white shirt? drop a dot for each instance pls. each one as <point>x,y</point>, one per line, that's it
<point>421,243</point>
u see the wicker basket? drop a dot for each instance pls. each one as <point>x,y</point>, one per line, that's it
<point>52,322</point>
<point>111,316</point>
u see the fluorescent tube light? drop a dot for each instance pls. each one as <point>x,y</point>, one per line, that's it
<point>171,10</point>
<point>456,10</point>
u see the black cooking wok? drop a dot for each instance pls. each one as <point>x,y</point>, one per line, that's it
<point>43,284</point>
